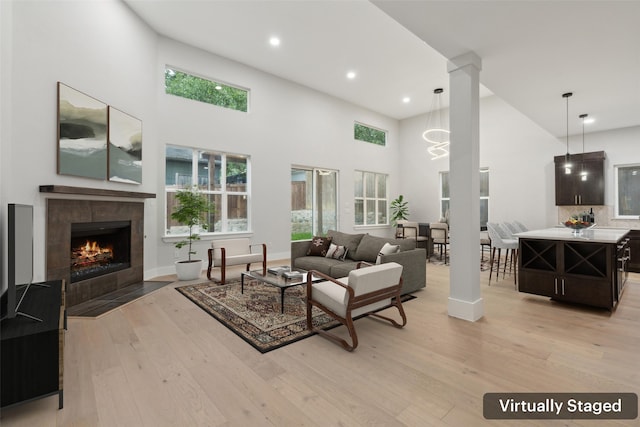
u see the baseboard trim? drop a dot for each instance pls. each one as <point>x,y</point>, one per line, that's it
<point>466,310</point>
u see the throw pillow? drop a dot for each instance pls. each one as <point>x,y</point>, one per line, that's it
<point>319,246</point>
<point>387,249</point>
<point>349,241</point>
<point>336,252</point>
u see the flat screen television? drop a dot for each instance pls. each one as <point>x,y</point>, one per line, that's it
<point>19,259</point>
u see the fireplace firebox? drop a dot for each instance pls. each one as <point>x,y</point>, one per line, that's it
<point>99,248</point>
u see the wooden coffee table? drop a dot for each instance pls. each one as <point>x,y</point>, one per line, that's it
<point>277,280</point>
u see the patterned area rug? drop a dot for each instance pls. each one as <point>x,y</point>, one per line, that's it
<point>435,260</point>
<point>255,315</point>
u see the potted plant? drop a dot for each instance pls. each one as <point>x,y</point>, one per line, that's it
<point>190,211</point>
<point>399,210</point>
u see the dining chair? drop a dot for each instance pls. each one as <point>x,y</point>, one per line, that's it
<point>410,230</point>
<point>440,236</point>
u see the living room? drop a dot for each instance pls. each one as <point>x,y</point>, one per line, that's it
<point>106,51</point>
<point>127,72</point>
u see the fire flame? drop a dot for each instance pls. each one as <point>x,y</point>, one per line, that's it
<point>91,249</point>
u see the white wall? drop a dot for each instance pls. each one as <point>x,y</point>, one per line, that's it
<point>287,125</point>
<point>103,49</point>
<point>518,153</point>
<point>99,48</point>
<point>6,61</point>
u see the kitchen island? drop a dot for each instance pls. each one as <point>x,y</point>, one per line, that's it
<point>589,268</point>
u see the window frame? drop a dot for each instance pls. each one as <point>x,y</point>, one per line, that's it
<point>616,208</point>
<point>445,216</point>
<point>377,129</point>
<point>210,80</point>
<point>376,198</point>
<point>316,210</point>
<point>223,192</point>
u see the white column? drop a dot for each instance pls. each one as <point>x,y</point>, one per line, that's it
<point>465,300</point>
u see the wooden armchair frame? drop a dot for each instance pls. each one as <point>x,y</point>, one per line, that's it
<point>228,261</point>
<point>354,302</point>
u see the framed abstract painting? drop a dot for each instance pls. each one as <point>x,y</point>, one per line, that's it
<point>125,147</point>
<point>82,134</point>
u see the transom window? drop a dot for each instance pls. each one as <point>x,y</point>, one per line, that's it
<point>200,89</point>
<point>371,207</point>
<point>370,134</point>
<point>223,177</point>
<point>627,179</point>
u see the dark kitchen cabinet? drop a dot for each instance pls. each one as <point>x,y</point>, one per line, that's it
<point>590,273</point>
<point>571,190</point>
<point>633,264</point>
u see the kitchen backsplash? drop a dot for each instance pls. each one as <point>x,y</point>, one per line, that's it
<point>603,215</point>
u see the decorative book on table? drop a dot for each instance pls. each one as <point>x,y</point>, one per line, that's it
<point>278,270</point>
<point>293,275</point>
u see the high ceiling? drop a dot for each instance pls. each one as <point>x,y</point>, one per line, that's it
<point>532,51</point>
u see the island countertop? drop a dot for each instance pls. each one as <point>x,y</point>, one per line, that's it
<point>599,235</point>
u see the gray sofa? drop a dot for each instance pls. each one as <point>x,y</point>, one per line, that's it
<point>363,247</point>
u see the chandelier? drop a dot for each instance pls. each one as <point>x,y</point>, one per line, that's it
<point>436,134</point>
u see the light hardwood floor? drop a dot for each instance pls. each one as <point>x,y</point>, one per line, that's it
<point>162,361</point>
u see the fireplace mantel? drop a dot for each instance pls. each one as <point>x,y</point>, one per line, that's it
<point>86,191</point>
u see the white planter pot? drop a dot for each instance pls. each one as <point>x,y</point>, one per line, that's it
<point>189,270</point>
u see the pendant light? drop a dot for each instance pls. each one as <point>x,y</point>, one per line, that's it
<point>436,133</point>
<point>567,159</point>
<point>583,172</point>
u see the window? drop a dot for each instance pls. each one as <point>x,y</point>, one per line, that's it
<point>314,202</point>
<point>484,196</point>
<point>223,177</point>
<point>368,134</point>
<point>627,179</point>
<point>199,89</point>
<point>371,198</point>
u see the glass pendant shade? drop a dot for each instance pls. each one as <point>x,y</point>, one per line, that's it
<point>567,159</point>
<point>583,173</point>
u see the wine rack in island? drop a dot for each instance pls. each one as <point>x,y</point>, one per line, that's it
<point>584,270</point>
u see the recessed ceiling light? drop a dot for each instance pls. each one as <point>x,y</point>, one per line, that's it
<point>406,100</point>
<point>274,41</point>
<point>589,120</point>
<point>351,75</point>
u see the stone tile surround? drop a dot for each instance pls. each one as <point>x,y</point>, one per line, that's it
<point>61,213</point>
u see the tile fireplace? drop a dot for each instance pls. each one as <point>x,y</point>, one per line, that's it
<point>97,246</point>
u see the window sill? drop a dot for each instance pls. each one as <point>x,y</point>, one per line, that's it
<point>362,227</point>
<point>207,236</point>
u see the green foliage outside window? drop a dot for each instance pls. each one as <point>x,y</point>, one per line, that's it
<point>199,89</point>
<point>368,134</point>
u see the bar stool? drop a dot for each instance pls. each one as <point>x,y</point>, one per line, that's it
<point>499,240</point>
<point>484,241</point>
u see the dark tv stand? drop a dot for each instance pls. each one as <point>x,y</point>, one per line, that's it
<point>32,353</point>
<point>24,294</point>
